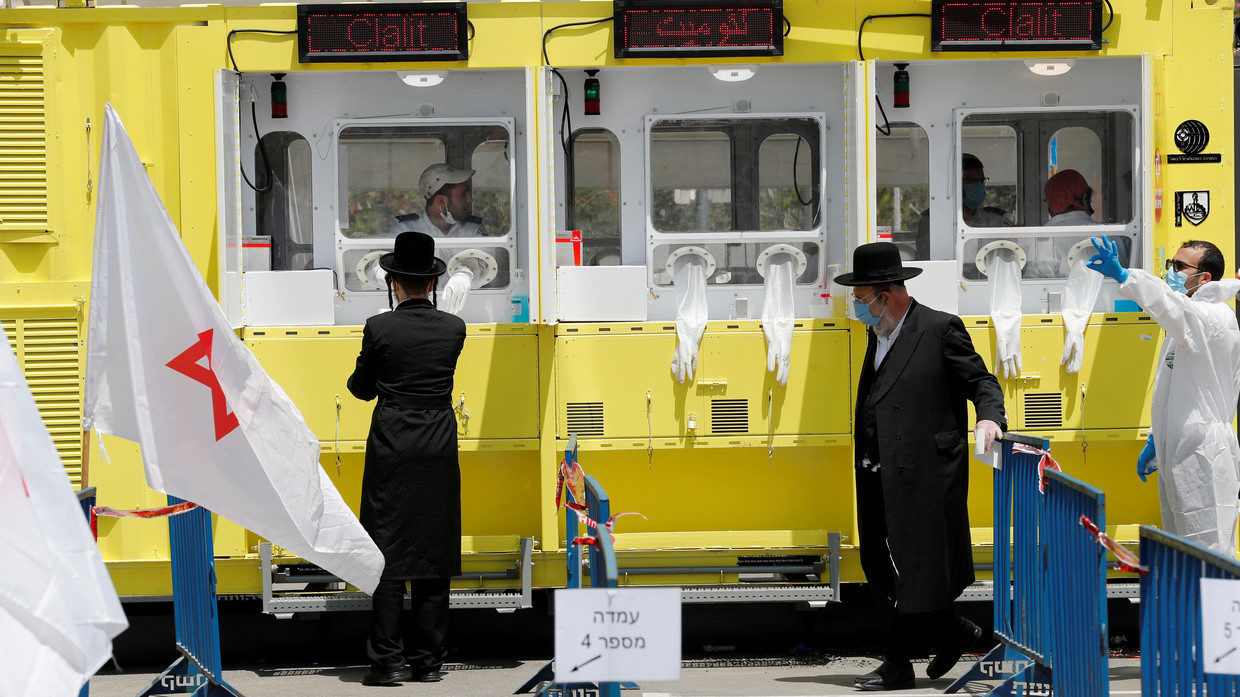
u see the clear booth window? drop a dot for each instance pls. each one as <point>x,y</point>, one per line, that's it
<point>903,191</point>
<point>381,187</point>
<point>594,206</point>
<point>285,207</point>
<point>734,175</point>
<point>990,175</point>
<point>1050,170</point>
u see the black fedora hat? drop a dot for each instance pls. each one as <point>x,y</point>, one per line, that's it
<point>876,263</point>
<point>414,255</point>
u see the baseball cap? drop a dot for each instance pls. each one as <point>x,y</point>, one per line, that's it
<point>436,176</point>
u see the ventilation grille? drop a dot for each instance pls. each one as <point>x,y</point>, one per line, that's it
<point>47,351</point>
<point>23,145</point>
<point>729,416</point>
<point>585,418</point>
<point>1043,410</point>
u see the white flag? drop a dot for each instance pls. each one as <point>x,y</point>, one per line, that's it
<point>58,609</point>
<point>164,368</point>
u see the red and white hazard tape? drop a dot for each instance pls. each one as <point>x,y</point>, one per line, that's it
<point>1127,561</point>
<point>1046,463</point>
<point>572,475</point>
<point>106,512</point>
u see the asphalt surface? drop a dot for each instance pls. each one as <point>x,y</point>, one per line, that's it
<point>728,651</point>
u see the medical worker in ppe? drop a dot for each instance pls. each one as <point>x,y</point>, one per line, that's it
<point>1191,439</point>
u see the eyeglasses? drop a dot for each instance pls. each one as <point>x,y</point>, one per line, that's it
<point>864,300</point>
<point>1179,265</point>
<point>975,180</point>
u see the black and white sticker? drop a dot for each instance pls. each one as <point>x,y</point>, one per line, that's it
<point>1192,137</point>
<point>1193,206</point>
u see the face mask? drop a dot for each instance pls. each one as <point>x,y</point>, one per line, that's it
<point>862,309</point>
<point>974,195</point>
<point>1178,279</point>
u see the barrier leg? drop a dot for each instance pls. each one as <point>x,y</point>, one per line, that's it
<point>1003,663</point>
<point>195,608</point>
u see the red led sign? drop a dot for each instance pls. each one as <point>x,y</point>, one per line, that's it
<point>424,31</point>
<point>990,25</point>
<point>691,29</point>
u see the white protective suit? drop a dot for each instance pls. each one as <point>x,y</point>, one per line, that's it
<point>1194,403</point>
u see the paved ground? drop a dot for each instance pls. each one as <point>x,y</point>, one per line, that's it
<point>729,651</point>
<point>767,677</point>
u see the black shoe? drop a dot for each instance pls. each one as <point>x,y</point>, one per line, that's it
<point>428,676</point>
<point>383,676</point>
<point>891,675</point>
<point>947,657</point>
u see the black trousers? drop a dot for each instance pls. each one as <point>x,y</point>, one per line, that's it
<point>416,637</point>
<point>915,634</point>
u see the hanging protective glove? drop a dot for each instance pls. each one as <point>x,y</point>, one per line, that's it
<point>456,290</point>
<point>1147,460</point>
<point>777,317</point>
<point>689,282</point>
<point>1005,314</point>
<point>1080,294</point>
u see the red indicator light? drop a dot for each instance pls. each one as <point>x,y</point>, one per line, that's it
<point>664,30</point>
<point>279,97</point>
<point>900,86</point>
<point>396,32</point>
<point>591,90</point>
<point>990,25</point>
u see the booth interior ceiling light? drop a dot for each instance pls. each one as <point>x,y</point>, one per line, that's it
<point>421,79</point>
<point>732,73</point>
<point>1058,66</point>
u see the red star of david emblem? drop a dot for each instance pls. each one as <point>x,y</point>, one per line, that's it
<point>187,365</point>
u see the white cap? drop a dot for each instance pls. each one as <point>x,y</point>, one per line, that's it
<point>436,176</point>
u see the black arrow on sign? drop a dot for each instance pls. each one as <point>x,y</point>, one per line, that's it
<point>576,668</point>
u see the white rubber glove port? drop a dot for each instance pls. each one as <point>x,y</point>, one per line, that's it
<point>777,316</point>
<point>1005,314</point>
<point>456,290</point>
<point>689,284</point>
<point>1080,295</point>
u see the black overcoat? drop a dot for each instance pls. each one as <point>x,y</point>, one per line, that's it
<point>411,487</point>
<point>914,512</point>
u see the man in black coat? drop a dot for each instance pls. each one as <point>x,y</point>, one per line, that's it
<point>411,487</point>
<point>911,443</point>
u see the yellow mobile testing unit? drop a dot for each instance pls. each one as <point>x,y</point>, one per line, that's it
<point>642,172</point>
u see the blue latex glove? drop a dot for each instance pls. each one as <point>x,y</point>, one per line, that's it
<point>1145,466</point>
<point>1106,261</point>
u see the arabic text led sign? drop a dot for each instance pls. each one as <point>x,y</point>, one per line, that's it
<point>698,29</point>
<point>996,25</point>
<point>424,31</point>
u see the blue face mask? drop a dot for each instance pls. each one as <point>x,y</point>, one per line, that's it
<point>974,195</point>
<point>1178,279</point>
<point>862,309</point>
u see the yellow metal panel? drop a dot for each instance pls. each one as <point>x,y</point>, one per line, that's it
<point>731,393</point>
<point>47,349</point>
<point>23,139</point>
<point>496,375</point>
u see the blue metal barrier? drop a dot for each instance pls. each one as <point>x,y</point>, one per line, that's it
<point>604,573</point>
<point>1078,596</point>
<point>86,498</point>
<point>195,607</point>
<point>1050,635</point>
<point>1171,634</point>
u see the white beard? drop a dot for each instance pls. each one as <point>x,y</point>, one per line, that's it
<point>886,324</point>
